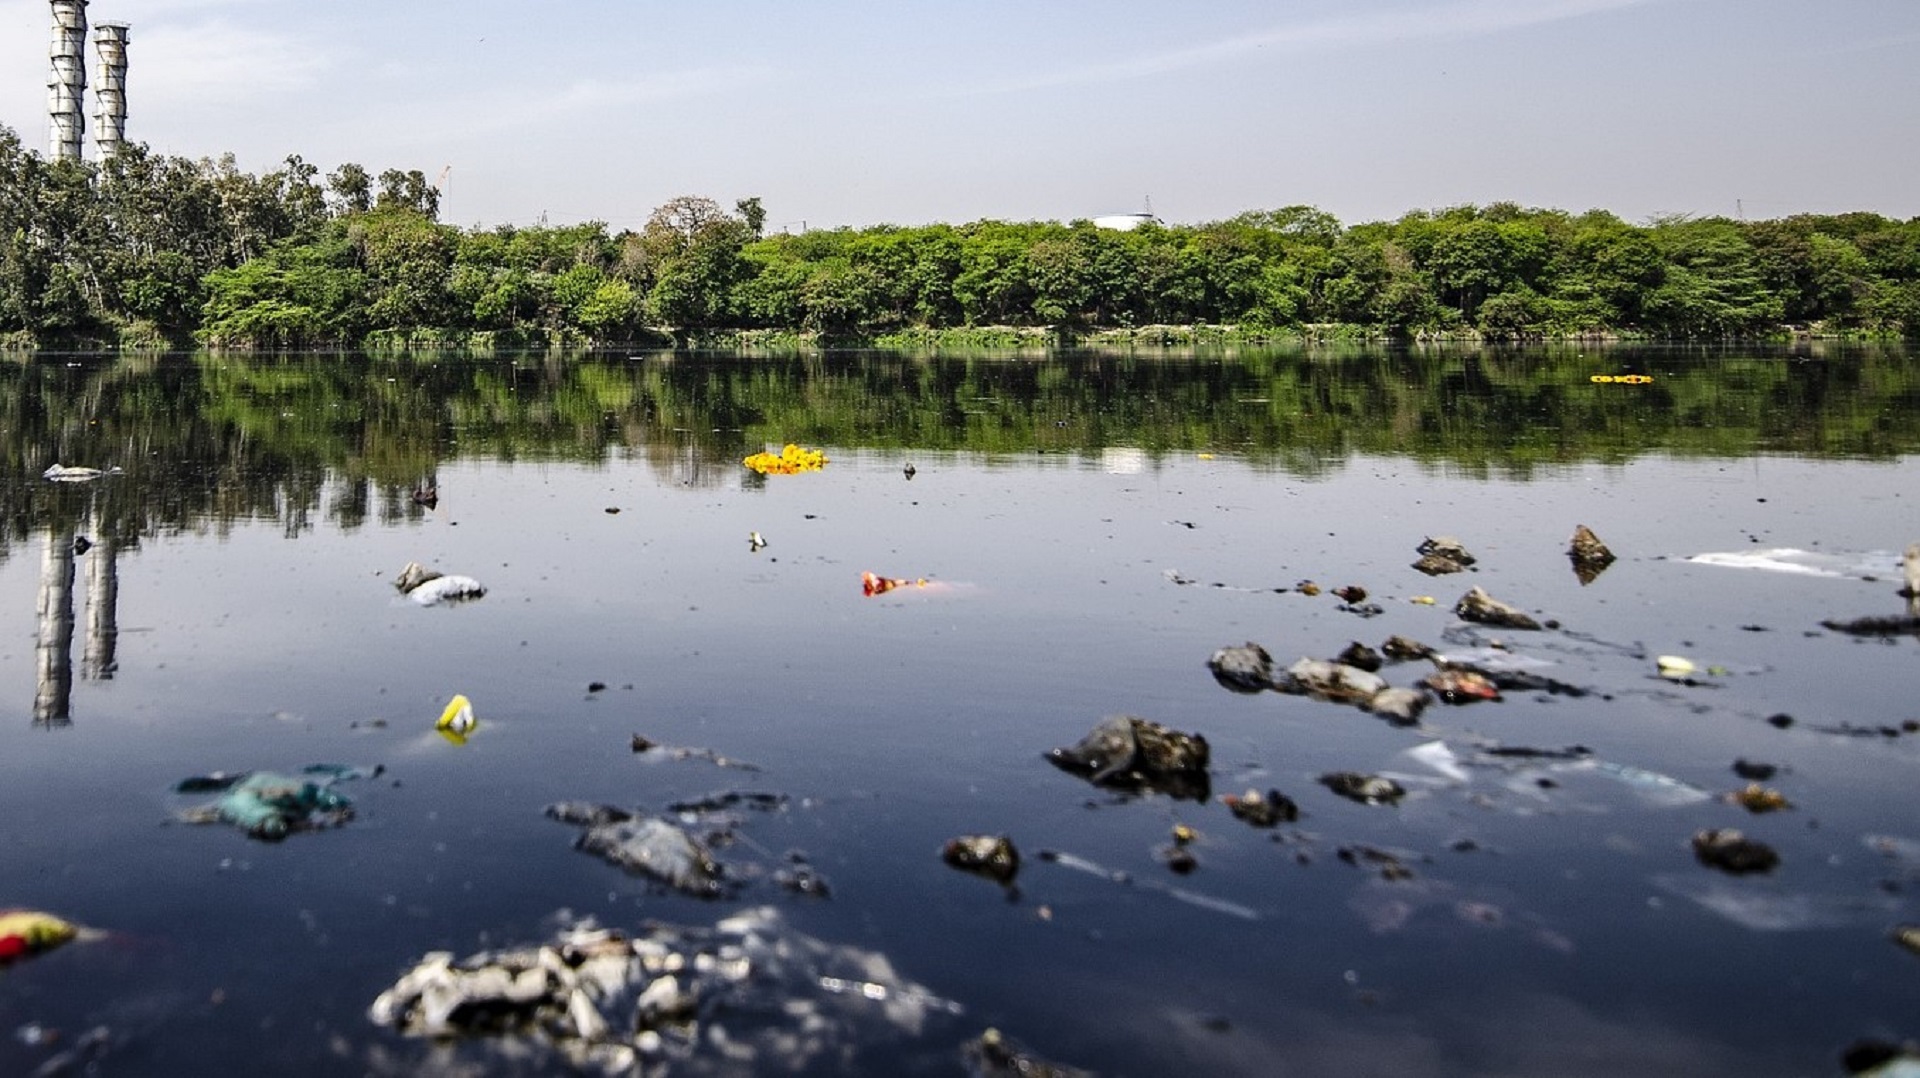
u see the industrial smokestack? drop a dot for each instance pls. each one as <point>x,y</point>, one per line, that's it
<point>67,83</point>
<point>110,97</point>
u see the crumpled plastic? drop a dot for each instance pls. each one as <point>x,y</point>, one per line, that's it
<point>790,460</point>
<point>270,806</point>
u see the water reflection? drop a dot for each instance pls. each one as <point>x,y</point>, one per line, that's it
<point>53,696</point>
<point>55,622</point>
<point>351,438</point>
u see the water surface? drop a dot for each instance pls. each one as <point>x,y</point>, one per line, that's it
<point>1095,528</point>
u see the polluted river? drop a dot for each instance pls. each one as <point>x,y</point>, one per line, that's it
<point>1415,712</point>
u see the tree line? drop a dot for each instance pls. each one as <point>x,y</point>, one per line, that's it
<point>150,249</point>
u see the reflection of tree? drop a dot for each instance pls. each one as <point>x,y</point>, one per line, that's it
<point>208,441</point>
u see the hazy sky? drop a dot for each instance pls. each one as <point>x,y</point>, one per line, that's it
<point>843,112</point>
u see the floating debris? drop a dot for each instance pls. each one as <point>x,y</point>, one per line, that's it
<point>1366,789</point>
<point>992,856</point>
<point>1442,554</point>
<point>1307,587</point>
<point>991,1054</point>
<point>1246,668</point>
<point>1262,810</point>
<point>1361,656</point>
<point>1402,649</point>
<point>60,473</point>
<point>791,460</point>
<point>1476,605</point>
<point>456,721</point>
<point>1400,706</point>
<point>1754,771</point>
<point>645,846</point>
<point>1460,686</point>
<point>1131,753</point>
<point>1730,851</point>
<point>1589,555</point>
<point>1675,666</point>
<point>430,587</point>
<point>872,584</point>
<point>271,806</point>
<point>755,544</point>
<point>1757,799</point>
<point>747,995</point>
<point>25,933</point>
<point>1351,593</point>
<point>1330,681</point>
<point>1907,936</point>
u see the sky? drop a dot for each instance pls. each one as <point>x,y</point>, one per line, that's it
<point>862,112</point>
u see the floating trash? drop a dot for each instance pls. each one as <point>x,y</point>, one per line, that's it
<point>992,856</point>
<point>790,460</point>
<point>872,584</point>
<point>747,995</point>
<point>1130,753</point>
<point>1337,682</point>
<point>1366,789</point>
<point>1730,851</point>
<point>25,933</point>
<point>60,473</point>
<point>1589,555</point>
<point>1246,668</point>
<point>456,722</point>
<point>645,846</point>
<point>1675,666</point>
<point>270,806</point>
<point>1442,554</point>
<point>992,1054</point>
<point>1262,810</point>
<point>1476,605</point>
<point>1460,686</point>
<point>1402,707</point>
<point>430,587</point>
<point>1756,799</point>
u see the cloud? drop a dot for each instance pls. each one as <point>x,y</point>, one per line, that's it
<point>1460,18</point>
<point>182,63</point>
<point>585,100</point>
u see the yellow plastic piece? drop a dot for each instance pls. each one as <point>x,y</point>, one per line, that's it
<point>790,460</point>
<point>457,721</point>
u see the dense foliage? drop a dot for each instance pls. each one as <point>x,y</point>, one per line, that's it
<point>145,248</point>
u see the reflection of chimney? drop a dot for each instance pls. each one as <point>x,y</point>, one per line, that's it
<point>53,701</point>
<point>103,601</point>
<point>110,97</point>
<point>67,83</point>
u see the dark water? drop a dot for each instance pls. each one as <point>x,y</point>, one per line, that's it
<point>235,613</point>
